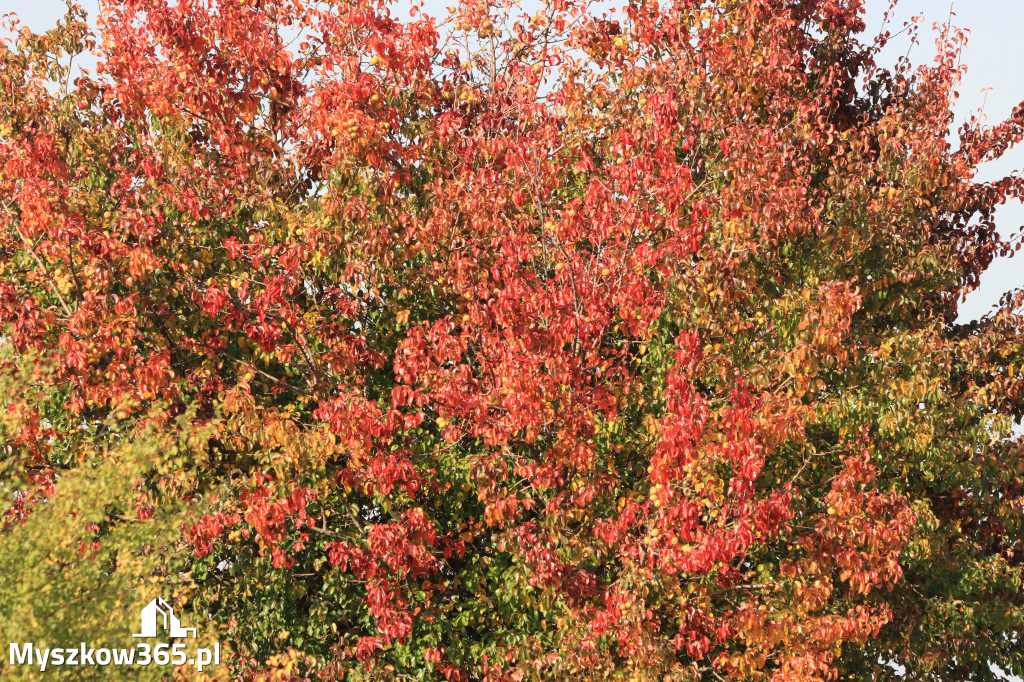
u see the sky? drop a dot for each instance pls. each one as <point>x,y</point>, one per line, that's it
<point>994,84</point>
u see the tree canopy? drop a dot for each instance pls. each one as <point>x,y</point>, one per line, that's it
<point>522,343</point>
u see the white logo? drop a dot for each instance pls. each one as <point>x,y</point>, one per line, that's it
<point>151,619</point>
<point>157,615</point>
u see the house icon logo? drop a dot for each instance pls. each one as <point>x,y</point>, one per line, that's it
<point>158,611</point>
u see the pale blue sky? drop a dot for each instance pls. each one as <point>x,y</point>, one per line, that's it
<point>995,78</point>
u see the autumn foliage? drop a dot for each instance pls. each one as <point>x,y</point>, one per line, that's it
<point>523,343</point>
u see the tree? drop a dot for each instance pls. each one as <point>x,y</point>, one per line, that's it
<point>508,346</point>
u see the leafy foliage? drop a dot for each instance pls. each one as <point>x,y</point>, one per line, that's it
<point>508,346</point>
